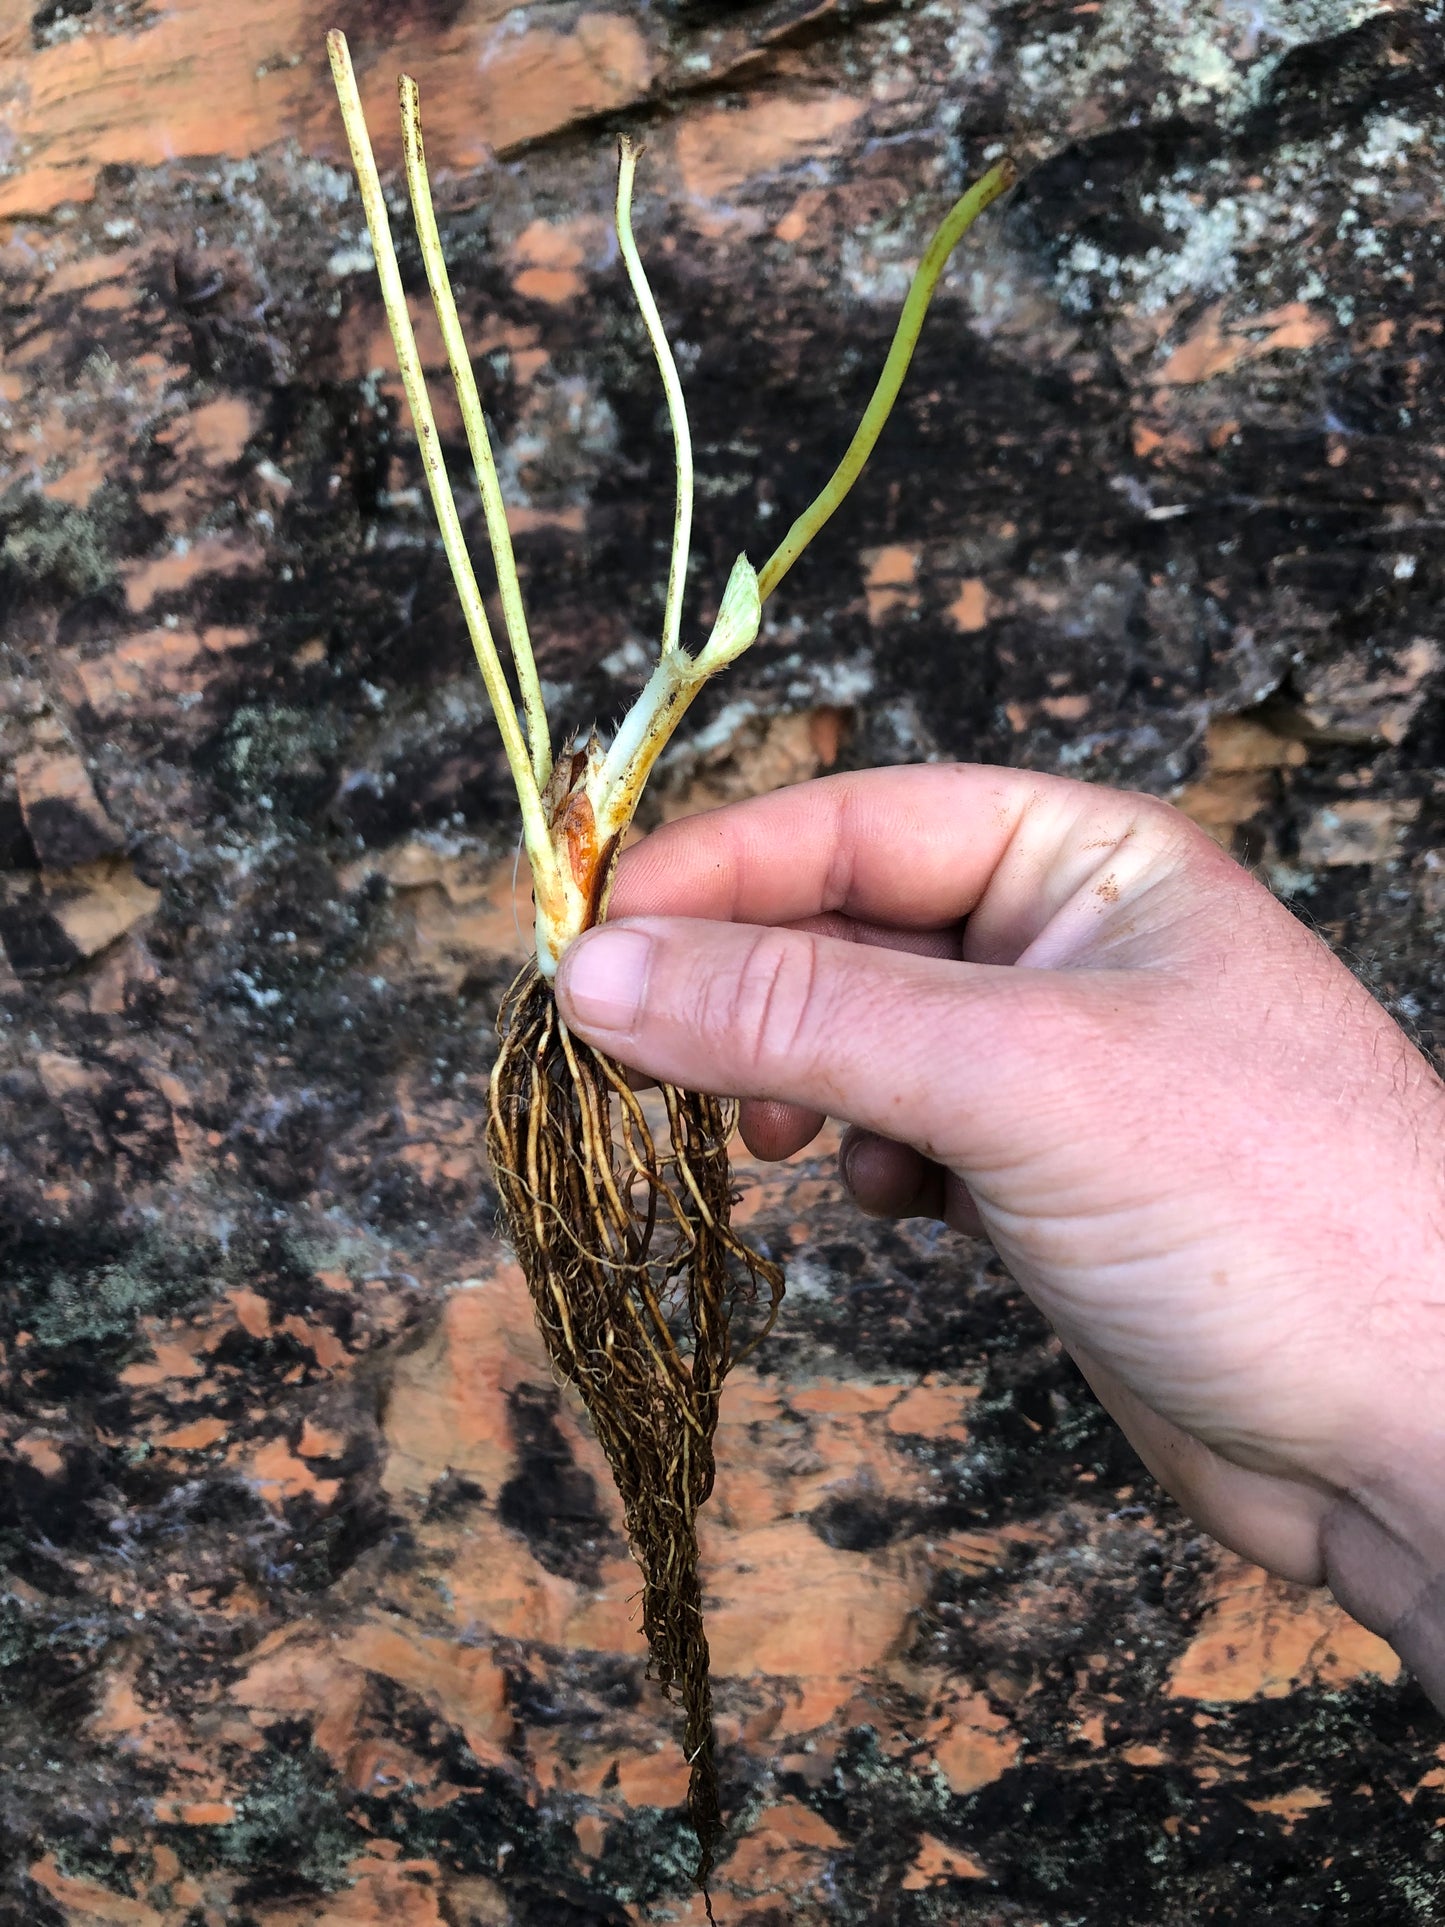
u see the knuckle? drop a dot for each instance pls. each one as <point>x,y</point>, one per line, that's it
<point>775,1000</point>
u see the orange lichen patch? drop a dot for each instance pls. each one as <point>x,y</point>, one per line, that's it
<point>86,1901</point>
<point>971,607</point>
<point>757,1579</point>
<point>1066,709</point>
<point>78,481</point>
<point>1260,1638</point>
<point>195,1437</point>
<point>146,674</point>
<point>320,1441</point>
<point>933,1410</point>
<point>802,1827</point>
<point>591,1832</point>
<point>936,1862</point>
<point>889,578</point>
<point>547,257</point>
<point>751,1400</point>
<point>83,272</point>
<point>1214,1765</point>
<point>37,348</point>
<point>188,87</point>
<point>536,81</point>
<point>641,1779</point>
<point>837,1398</point>
<point>783,1852</point>
<point>217,431</point>
<point>294,1674</point>
<point>206,1813</point>
<point>107,301</point>
<point>1213,348</point>
<point>1291,1806</point>
<point>381,1892</point>
<point>524,521</point>
<point>278,1474</point>
<point>981,1552</point>
<point>1089,1728</point>
<point>146,1732</point>
<point>608,1619</point>
<point>800,216</point>
<point>527,81</point>
<point>252,1312</point>
<point>64,1076</point>
<point>147,580</point>
<point>977,1747</point>
<point>173,1356</point>
<point>653,1779</point>
<point>99,902</point>
<point>721,151</point>
<point>41,1452</point>
<point>203,84</point>
<point>322,1343</point>
<point>463,1685</point>
<point>448,1404</point>
<point>1209,351</point>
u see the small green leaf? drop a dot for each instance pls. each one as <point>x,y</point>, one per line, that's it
<point>738,620</point>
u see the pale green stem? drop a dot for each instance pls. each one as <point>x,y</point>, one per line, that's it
<point>534,822</point>
<point>956,224</point>
<point>498,534</point>
<point>628,155</point>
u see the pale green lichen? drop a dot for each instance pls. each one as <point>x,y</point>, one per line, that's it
<point>1215,63</point>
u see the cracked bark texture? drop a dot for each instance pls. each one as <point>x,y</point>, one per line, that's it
<point>315,1606</point>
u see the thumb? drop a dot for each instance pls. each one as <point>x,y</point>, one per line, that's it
<point>951,1057</point>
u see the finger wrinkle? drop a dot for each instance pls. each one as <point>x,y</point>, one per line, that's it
<point>780,979</point>
<point>837,892</point>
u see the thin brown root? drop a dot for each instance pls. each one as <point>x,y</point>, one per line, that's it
<point>635,1274</point>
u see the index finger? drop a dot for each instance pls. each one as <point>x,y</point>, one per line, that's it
<point>915,848</point>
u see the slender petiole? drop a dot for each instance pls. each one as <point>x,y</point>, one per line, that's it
<point>955,225</point>
<point>572,838</point>
<point>534,822</point>
<point>628,155</point>
<point>498,534</point>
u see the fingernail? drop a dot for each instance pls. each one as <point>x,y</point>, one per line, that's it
<point>603,978</point>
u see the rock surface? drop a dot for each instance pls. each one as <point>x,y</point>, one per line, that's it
<point>315,1605</point>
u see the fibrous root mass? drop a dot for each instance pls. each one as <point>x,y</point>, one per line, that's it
<point>636,1275</point>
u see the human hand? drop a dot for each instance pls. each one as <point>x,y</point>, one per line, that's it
<point>1061,1016</point>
